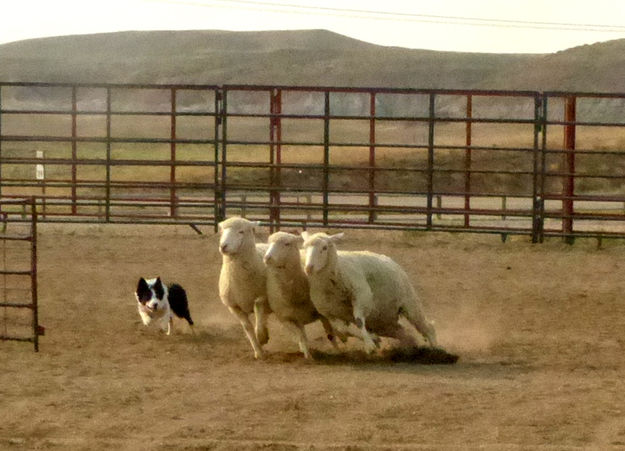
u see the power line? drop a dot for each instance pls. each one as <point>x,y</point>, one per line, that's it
<point>402,16</point>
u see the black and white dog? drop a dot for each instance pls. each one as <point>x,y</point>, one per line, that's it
<point>157,303</point>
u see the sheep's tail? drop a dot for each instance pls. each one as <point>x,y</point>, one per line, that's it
<point>179,303</point>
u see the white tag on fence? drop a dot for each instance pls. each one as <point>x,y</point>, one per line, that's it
<point>40,173</point>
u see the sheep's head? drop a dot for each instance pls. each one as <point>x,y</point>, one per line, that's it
<point>319,247</point>
<point>236,233</point>
<point>283,249</point>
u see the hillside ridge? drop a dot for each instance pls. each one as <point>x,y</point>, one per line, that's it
<point>303,57</point>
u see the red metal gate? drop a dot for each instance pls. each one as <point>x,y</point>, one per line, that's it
<point>18,274</point>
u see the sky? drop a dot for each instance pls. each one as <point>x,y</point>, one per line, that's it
<point>495,26</point>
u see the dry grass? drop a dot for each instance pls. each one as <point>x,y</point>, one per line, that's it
<point>405,166</point>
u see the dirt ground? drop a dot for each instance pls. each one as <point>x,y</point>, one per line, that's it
<point>540,331</point>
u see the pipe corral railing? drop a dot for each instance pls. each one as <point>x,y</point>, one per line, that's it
<point>509,162</point>
<point>19,317</point>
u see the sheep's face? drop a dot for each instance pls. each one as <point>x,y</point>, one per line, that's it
<point>235,234</point>
<point>318,248</point>
<point>283,249</point>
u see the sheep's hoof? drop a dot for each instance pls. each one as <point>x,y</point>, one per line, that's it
<point>370,347</point>
<point>262,336</point>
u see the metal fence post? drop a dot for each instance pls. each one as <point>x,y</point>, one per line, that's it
<point>568,189</point>
<point>74,149</point>
<point>326,156</point>
<point>172,147</point>
<point>224,153</point>
<point>107,200</point>
<point>275,157</point>
<point>1,142</point>
<point>467,162</point>
<point>33,273</point>
<point>216,136</point>
<point>372,196</point>
<point>538,175</point>
<point>430,167</point>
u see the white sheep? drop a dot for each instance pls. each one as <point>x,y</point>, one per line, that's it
<point>288,292</point>
<point>364,288</point>
<point>242,280</point>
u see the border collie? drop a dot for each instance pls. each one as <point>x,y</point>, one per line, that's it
<point>158,303</point>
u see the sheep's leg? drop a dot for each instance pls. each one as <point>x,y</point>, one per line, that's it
<point>363,300</point>
<point>370,343</point>
<point>248,329</point>
<point>260,311</point>
<point>300,336</point>
<point>344,331</point>
<point>331,332</point>
<point>404,337</point>
<point>413,313</point>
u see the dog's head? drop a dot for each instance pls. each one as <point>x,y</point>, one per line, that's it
<point>151,294</point>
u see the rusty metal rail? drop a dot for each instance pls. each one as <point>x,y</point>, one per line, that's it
<point>508,162</point>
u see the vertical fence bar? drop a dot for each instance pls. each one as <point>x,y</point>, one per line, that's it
<point>568,189</point>
<point>467,161</point>
<point>326,156</point>
<point>275,157</point>
<point>372,196</point>
<point>172,167</point>
<point>33,272</point>
<point>224,152</point>
<point>1,139</point>
<point>543,167</point>
<point>216,136</point>
<point>537,190</point>
<point>107,194</point>
<point>430,167</point>
<point>272,158</point>
<point>74,150</point>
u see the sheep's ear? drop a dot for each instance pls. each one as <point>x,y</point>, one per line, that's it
<point>255,225</point>
<point>220,226</point>
<point>299,240</point>
<point>336,237</point>
<point>305,235</point>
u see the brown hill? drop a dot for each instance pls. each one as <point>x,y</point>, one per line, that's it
<point>309,57</point>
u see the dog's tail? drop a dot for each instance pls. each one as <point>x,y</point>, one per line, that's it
<point>179,303</point>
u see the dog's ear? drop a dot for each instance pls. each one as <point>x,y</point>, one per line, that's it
<point>158,288</point>
<point>143,291</point>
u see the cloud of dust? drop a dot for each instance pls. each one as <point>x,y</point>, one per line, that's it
<point>469,328</point>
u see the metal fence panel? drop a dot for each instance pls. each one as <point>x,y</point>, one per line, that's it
<point>19,319</point>
<point>508,162</point>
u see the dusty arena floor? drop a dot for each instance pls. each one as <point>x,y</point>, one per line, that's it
<point>540,330</point>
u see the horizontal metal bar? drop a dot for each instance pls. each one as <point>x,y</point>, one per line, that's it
<point>9,338</point>
<point>111,113</point>
<point>4,237</point>
<point>102,140</point>
<point>124,86</point>
<point>28,305</point>
<point>103,162</point>
<point>381,90</point>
